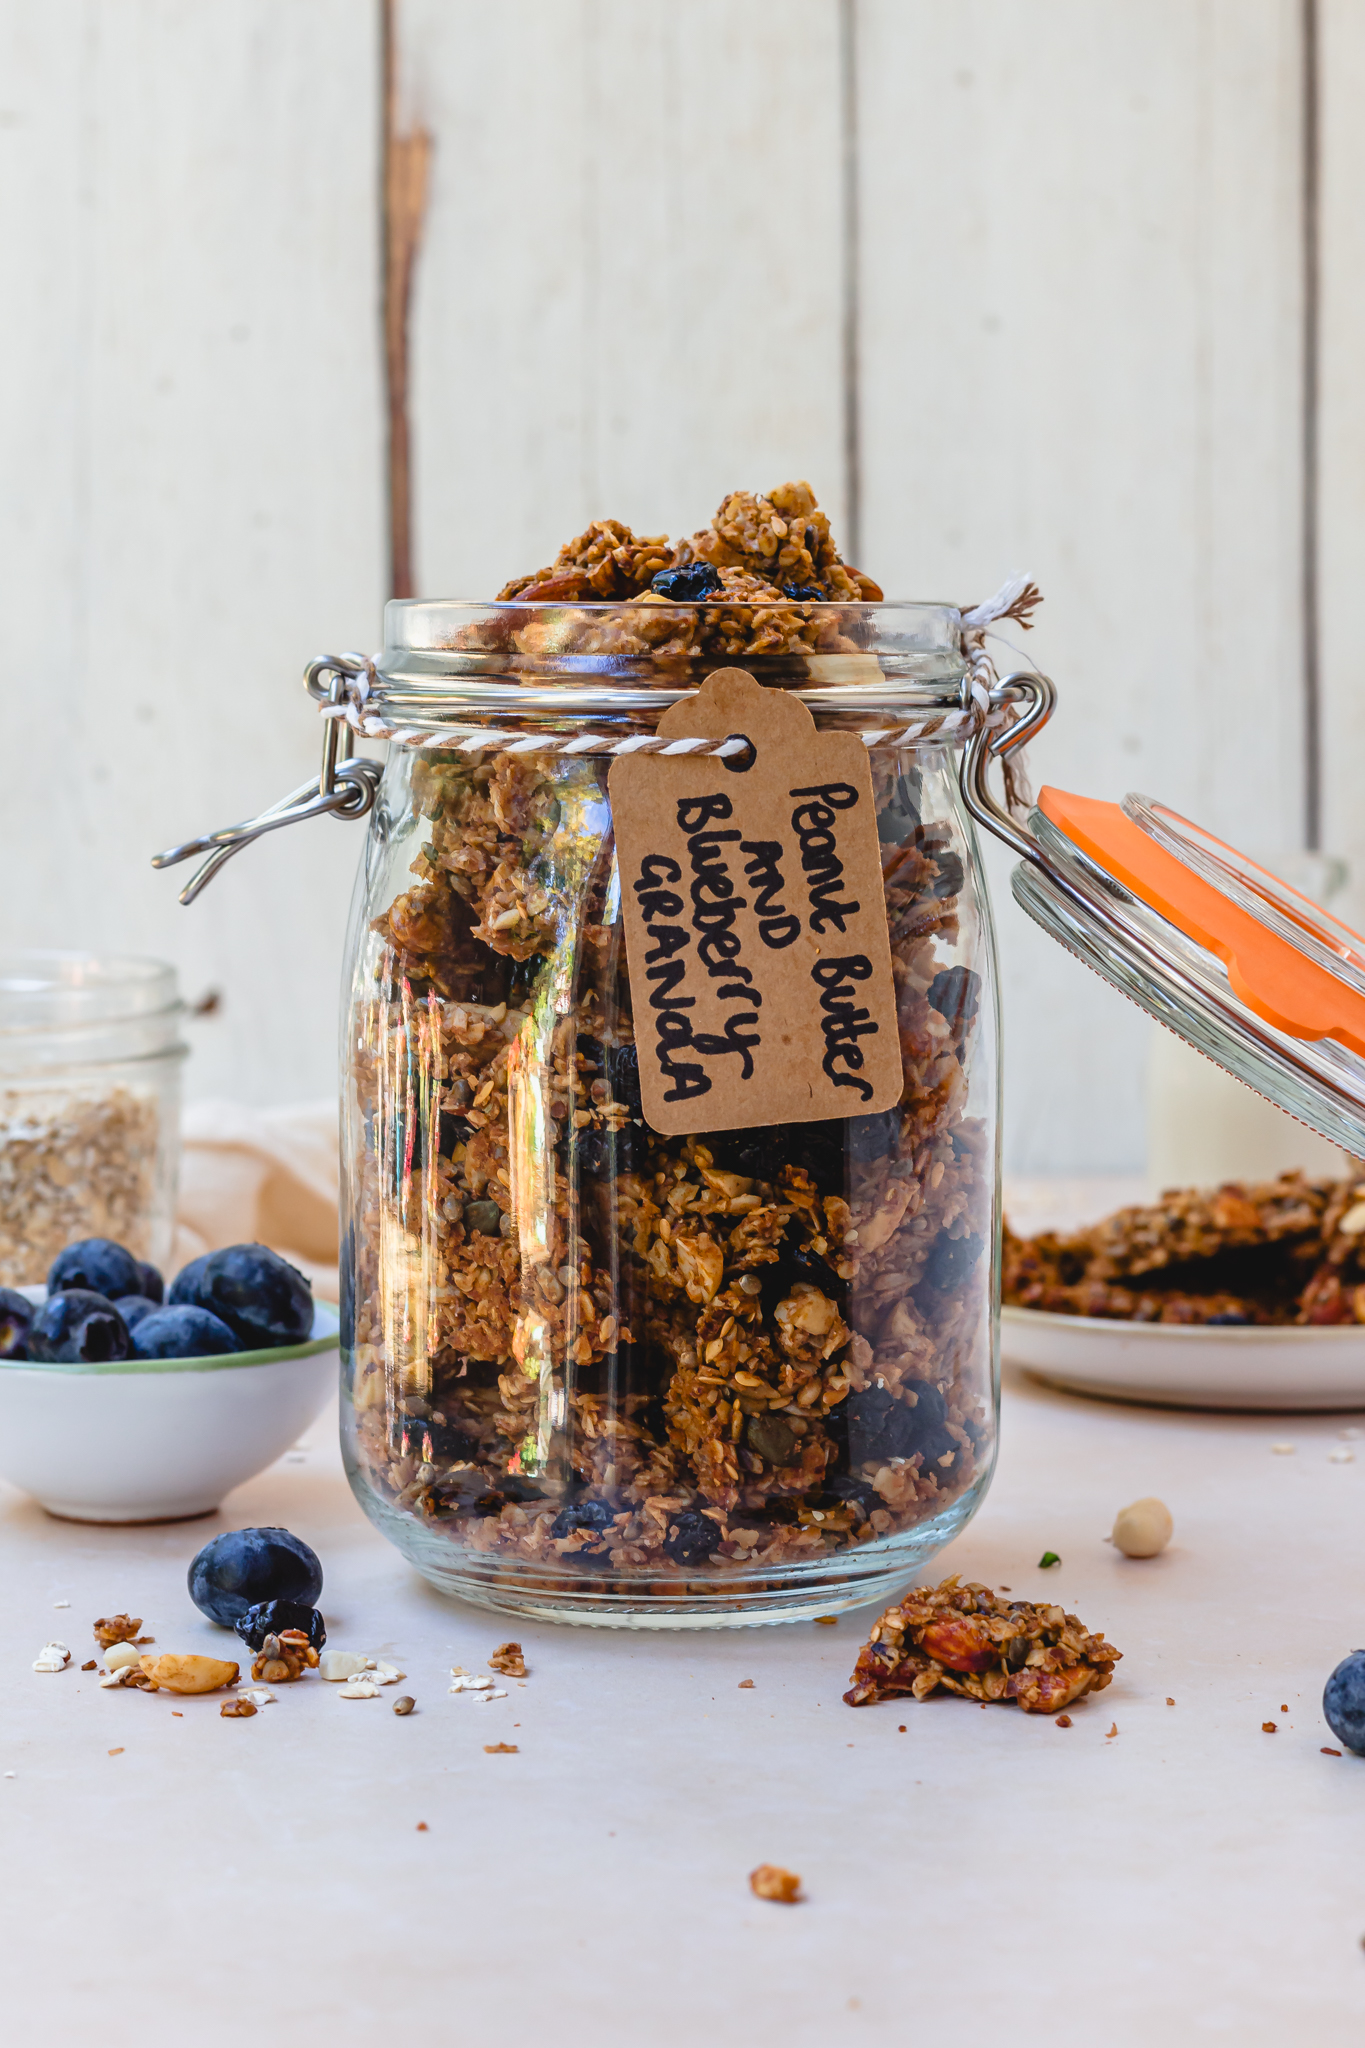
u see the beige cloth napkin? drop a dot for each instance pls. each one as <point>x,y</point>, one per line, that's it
<point>261,1176</point>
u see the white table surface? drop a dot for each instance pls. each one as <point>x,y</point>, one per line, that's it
<point>985,1876</point>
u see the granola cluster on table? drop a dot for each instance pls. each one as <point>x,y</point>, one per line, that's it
<point>1290,1250</point>
<point>966,1639</point>
<point>581,1345</point>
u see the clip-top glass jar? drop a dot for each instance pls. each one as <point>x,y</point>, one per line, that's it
<point>763,1382</point>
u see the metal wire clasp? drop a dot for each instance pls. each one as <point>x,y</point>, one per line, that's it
<point>345,787</point>
<point>993,742</point>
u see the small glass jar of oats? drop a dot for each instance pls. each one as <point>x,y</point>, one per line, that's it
<point>90,1058</point>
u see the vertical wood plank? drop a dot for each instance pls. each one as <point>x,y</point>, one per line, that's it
<point>628,295</point>
<point>1081,358</point>
<point>190,426</point>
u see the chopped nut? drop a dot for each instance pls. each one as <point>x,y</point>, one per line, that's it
<point>770,1881</point>
<point>239,1709</point>
<point>90,1666</point>
<point>120,1654</point>
<point>361,1687</point>
<point>1144,1529</point>
<point>174,1672</point>
<point>335,1665</point>
<point>746,1685</point>
<point>1269,1727</point>
<point>463,1682</point>
<point>386,1674</point>
<point>494,1693</point>
<point>116,1628</point>
<point>507,1659</point>
<point>1063,1720</point>
<point>259,1695</point>
<point>52,1657</point>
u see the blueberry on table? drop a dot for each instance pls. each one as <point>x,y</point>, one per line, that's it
<point>688,584</point>
<point>269,1617</point>
<point>182,1332</point>
<point>244,1567</point>
<point>77,1327</point>
<point>1343,1701</point>
<point>153,1286</point>
<point>264,1300</point>
<point>16,1313</point>
<point>96,1266</point>
<point>133,1307</point>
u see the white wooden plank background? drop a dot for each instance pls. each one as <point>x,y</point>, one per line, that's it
<point>1080,355</point>
<point>191,500</point>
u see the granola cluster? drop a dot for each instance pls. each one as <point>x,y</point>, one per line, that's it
<point>760,580</point>
<point>968,1640</point>
<point>1282,1251</point>
<point>585,1347</point>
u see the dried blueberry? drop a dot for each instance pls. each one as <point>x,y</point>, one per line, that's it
<point>623,1072</point>
<point>898,820</point>
<point>951,1261</point>
<point>16,1313</point>
<point>955,992</point>
<point>433,1442</point>
<point>243,1567</point>
<point>264,1300</point>
<point>95,1266</point>
<point>804,593</point>
<point>692,1538</point>
<point>153,1286</point>
<point>846,1491</point>
<point>688,584</point>
<point>875,1136</point>
<point>134,1307</point>
<point>595,1515</point>
<point>881,1426</point>
<point>948,880</point>
<point>183,1331</point>
<point>603,1154</point>
<point>454,1130</point>
<point>268,1617</point>
<point>78,1327</point>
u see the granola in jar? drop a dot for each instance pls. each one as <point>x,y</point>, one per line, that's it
<point>592,1368</point>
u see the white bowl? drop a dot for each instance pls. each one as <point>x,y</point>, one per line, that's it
<point>158,1439</point>
<point>1277,1369</point>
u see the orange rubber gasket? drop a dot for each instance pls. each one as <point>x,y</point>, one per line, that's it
<point>1272,978</point>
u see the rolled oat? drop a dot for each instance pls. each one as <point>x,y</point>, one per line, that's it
<point>73,1166</point>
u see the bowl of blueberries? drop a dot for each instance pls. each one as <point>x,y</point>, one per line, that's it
<point>124,1401</point>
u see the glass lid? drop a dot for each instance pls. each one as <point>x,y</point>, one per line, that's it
<point>1230,958</point>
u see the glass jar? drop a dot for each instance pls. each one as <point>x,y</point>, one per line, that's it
<point>89,1107</point>
<point>762,1382</point>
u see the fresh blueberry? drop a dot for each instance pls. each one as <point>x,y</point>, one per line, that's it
<point>243,1567</point>
<point>263,1300</point>
<point>16,1314</point>
<point>595,1515</point>
<point>687,585</point>
<point>77,1327</point>
<point>268,1617</point>
<point>1343,1701</point>
<point>182,1332</point>
<point>153,1286</point>
<point>96,1266</point>
<point>692,1538</point>
<point>134,1308</point>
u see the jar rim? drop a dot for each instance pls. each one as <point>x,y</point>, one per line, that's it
<point>46,989</point>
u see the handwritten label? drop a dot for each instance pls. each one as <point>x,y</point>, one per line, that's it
<point>756,939</point>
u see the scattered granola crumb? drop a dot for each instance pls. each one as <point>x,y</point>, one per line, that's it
<point>259,1695</point>
<point>464,1683</point>
<point>507,1659</point>
<point>826,1621</point>
<point>240,1709</point>
<point>1284,1710</point>
<point>404,1704</point>
<point>770,1881</point>
<point>1269,1727</point>
<point>901,1729</point>
<point>118,1751</point>
<point>116,1628</point>
<point>361,1687</point>
<point>495,1693</point>
<point>1113,1730</point>
<point>500,1749</point>
<point>1169,1701</point>
<point>1063,1720</point>
<point>746,1685</point>
<point>284,1657</point>
<point>1341,1454</point>
<point>422,1828</point>
<point>61,1603</point>
<point>1283,1450</point>
<point>386,1674</point>
<point>1329,1752</point>
<point>91,1666</point>
<point>176,1714</point>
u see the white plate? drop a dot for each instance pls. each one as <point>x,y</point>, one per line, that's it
<point>1190,1365</point>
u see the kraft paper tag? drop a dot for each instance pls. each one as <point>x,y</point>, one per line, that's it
<point>756,940</point>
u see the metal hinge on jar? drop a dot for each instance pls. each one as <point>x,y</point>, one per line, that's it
<point>345,787</point>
